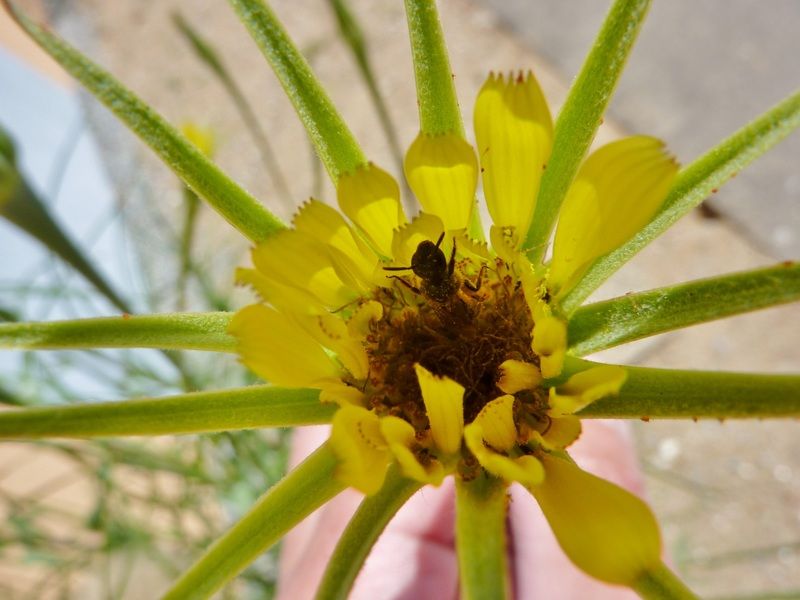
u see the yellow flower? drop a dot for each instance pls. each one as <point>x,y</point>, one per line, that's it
<point>440,350</point>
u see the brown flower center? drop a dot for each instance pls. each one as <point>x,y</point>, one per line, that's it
<point>465,334</point>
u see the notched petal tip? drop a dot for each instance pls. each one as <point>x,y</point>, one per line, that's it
<point>514,133</point>
<point>370,197</point>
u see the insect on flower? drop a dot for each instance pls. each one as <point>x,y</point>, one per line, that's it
<point>479,389</point>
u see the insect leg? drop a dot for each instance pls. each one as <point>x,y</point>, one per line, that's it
<point>413,288</point>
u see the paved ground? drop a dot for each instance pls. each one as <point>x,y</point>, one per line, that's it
<point>727,493</point>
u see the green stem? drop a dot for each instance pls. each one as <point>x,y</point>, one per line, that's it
<point>662,584</point>
<point>199,412</point>
<point>439,112</point>
<point>190,204</point>
<point>481,507</point>
<point>24,209</point>
<point>606,324</point>
<point>362,531</point>
<point>436,94</point>
<point>582,114</point>
<point>172,331</point>
<point>694,183</point>
<point>333,140</point>
<point>650,393</point>
<point>238,207</point>
<point>291,500</point>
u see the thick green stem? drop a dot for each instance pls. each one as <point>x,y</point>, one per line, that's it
<point>436,94</point>
<point>695,183</point>
<point>362,532</point>
<point>481,507</point>
<point>606,324</point>
<point>199,412</point>
<point>582,114</point>
<point>335,144</point>
<point>238,207</point>
<point>172,331</point>
<point>662,584</point>
<point>291,500</point>
<point>650,393</point>
<point>439,112</point>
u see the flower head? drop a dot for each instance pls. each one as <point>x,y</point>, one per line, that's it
<point>440,350</point>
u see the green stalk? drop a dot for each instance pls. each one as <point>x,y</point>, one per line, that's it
<point>206,52</point>
<point>20,205</point>
<point>190,205</point>
<point>634,316</point>
<point>662,584</point>
<point>436,94</point>
<point>172,331</point>
<point>650,393</point>
<point>238,207</point>
<point>582,114</point>
<point>439,112</point>
<point>361,533</point>
<point>291,500</point>
<point>199,412</point>
<point>481,507</point>
<point>694,183</point>
<point>333,140</point>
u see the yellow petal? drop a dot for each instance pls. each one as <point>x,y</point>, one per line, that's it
<point>496,420</point>
<point>525,469</point>
<point>514,134</point>
<point>585,387</point>
<point>202,137</point>
<point>370,198</point>
<point>559,434</point>
<point>294,259</point>
<point>338,392</point>
<point>325,224</point>
<point>550,343</point>
<point>277,349</point>
<point>444,403</point>
<point>505,241</point>
<point>285,297</point>
<point>406,239</point>
<point>357,441</point>
<point>606,531</point>
<point>401,437</point>
<point>359,324</point>
<point>442,172</point>
<point>330,331</point>
<point>518,375</point>
<point>615,193</point>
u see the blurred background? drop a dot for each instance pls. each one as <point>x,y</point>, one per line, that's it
<point>115,518</point>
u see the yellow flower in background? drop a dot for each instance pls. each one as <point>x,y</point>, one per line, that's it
<point>440,350</point>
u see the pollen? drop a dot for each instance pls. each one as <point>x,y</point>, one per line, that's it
<point>466,337</point>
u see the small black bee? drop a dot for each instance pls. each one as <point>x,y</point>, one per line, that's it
<point>439,282</point>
